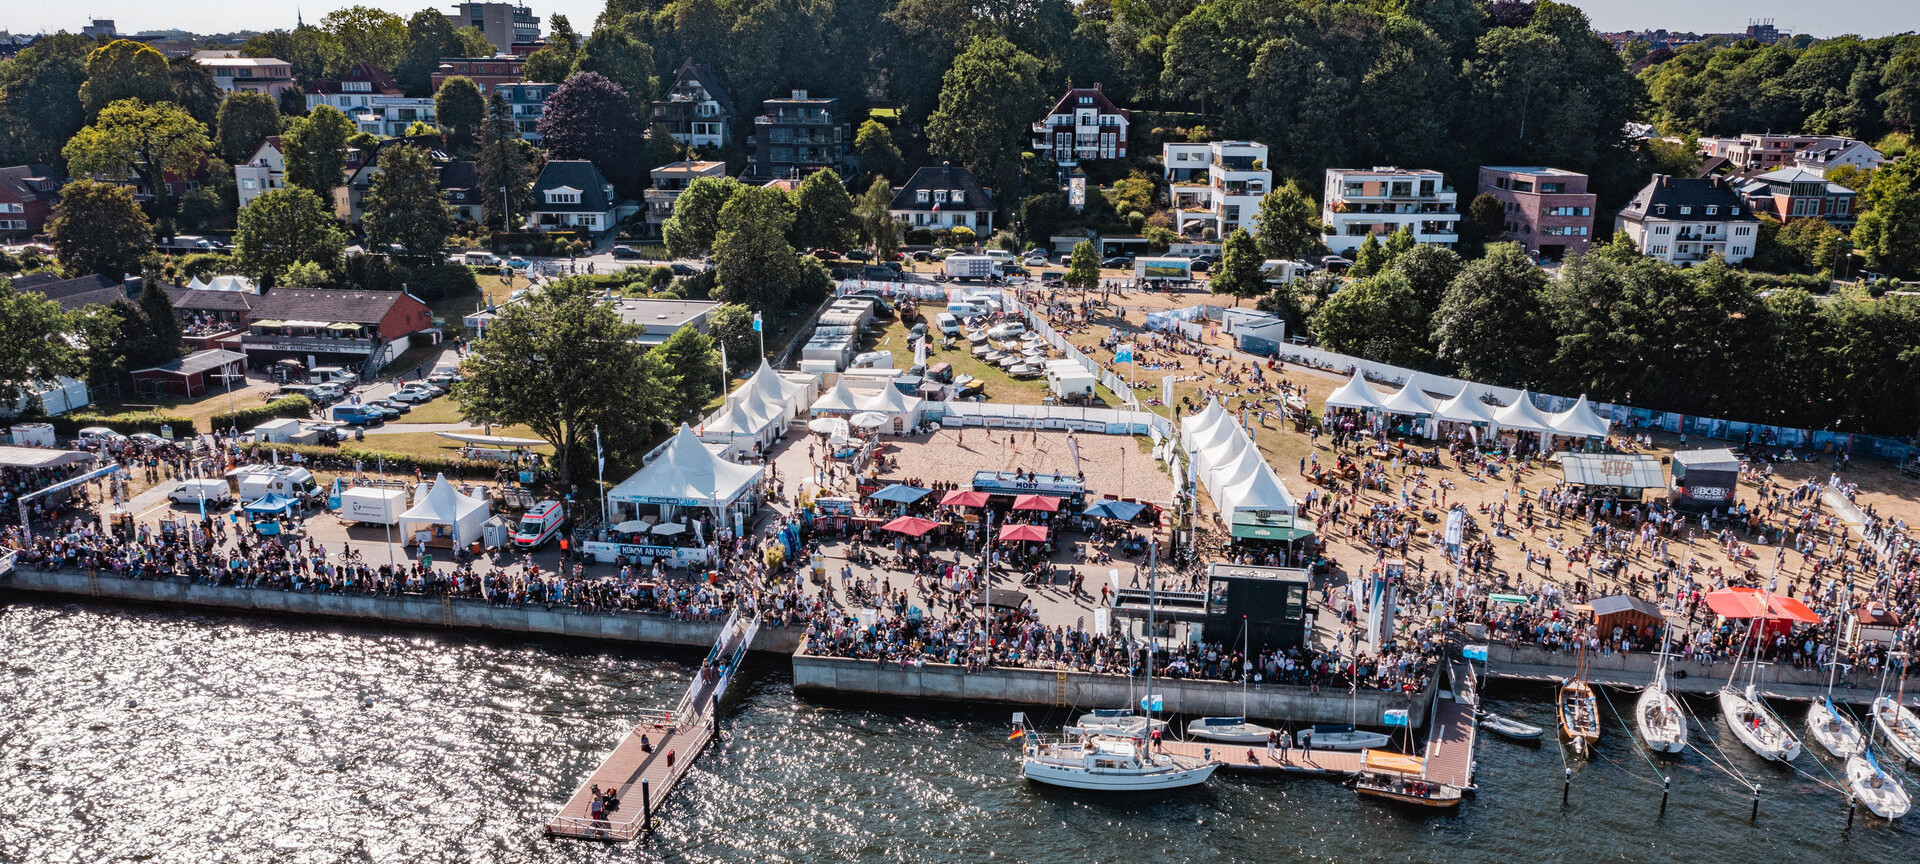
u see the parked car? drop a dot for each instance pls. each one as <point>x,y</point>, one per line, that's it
<point>859,255</point>
<point>1007,330</point>
<point>826,254</point>
<point>683,269</point>
<point>445,379</point>
<point>625,253</point>
<point>1036,261</point>
<point>517,263</point>
<point>392,406</point>
<point>1206,259</point>
<point>100,435</point>
<point>1116,263</point>
<point>412,394</point>
<point>1335,263</point>
<point>1200,266</point>
<point>922,255</point>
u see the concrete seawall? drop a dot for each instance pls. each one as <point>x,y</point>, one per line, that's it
<point>634,627</point>
<point>1528,663</point>
<point>1086,691</point>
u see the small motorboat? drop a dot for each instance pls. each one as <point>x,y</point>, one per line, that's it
<point>1757,726</point>
<point>1230,730</point>
<point>1837,732</point>
<point>1875,788</point>
<point>1507,727</point>
<point>1898,725</point>
<point>1340,737</point>
<point>1401,779</point>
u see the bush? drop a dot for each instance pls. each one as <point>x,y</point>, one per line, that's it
<point>125,423</point>
<point>452,465</point>
<point>297,407</point>
<point>439,281</point>
<point>919,237</point>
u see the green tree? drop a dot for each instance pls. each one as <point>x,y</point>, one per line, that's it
<point>695,222</point>
<point>429,37</point>
<point>1492,323</point>
<point>124,69</point>
<point>874,213</point>
<point>554,61</point>
<point>1238,274</point>
<point>692,356</point>
<point>40,104</point>
<point>194,89</point>
<point>245,120</point>
<point>403,206</point>
<point>363,34</point>
<point>1133,193</point>
<point>1486,222</point>
<point>563,363</point>
<point>987,101</point>
<point>97,228</point>
<point>878,155</point>
<point>823,213</point>
<point>32,347</point>
<point>459,106</point>
<point>621,54</point>
<point>316,150</point>
<point>1377,318</point>
<point>753,264</point>
<point>160,328</point>
<point>1288,225</point>
<point>1083,269</point>
<point>131,138</point>
<point>1812,244</point>
<point>505,163</point>
<point>283,227</point>
<point>1370,258</point>
<point>1429,270</point>
<point>306,274</point>
<point>1889,230</point>
<point>473,43</point>
<point>732,326</point>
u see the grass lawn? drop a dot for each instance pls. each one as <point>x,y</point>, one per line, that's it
<point>429,444</point>
<point>199,410</point>
<point>445,409</point>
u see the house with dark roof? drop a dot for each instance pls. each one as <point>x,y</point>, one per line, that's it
<point>459,183</point>
<point>264,171</point>
<point>372,100</point>
<point>944,197</point>
<point>1797,193</point>
<point>360,177</point>
<point>1828,153</point>
<point>192,375</point>
<point>27,196</point>
<point>1681,220</point>
<point>797,136</point>
<point>1084,125</point>
<point>205,313</point>
<point>572,193</point>
<point>78,293</point>
<point>696,110</point>
<point>362,329</point>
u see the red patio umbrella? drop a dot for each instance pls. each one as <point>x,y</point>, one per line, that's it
<point>1036,502</point>
<point>1023,532</point>
<point>912,526</point>
<point>1753,603</point>
<point>964,498</point>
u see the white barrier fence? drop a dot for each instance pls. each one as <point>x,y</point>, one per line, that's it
<point>1108,421</point>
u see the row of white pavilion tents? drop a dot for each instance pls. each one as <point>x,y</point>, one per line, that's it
<point>1469,407</point>
<point>1226,461</point>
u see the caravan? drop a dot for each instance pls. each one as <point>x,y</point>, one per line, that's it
<point>251,482</point>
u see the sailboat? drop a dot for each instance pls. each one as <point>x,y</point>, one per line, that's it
<point>1753,722</point>
<point>1579,710</point>
<point>1898,726</point>
<point>1882,794</point>
<point>1234,730</point>
<point>1662,725</point>
<point>1344,736</point>
<point>1829,725</point>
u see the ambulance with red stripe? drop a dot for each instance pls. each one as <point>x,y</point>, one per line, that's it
<point>540,524</point>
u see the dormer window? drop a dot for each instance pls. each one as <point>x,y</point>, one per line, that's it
<point>1086,100</point>
<point>939,194</point>
<point>356,87</point>
<point>1713,210</point>
<point>959,196</point>
<point>921,196</point>
<point>1686,209</point>
<point>1660,209</point>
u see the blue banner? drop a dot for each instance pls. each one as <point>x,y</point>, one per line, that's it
<point>1395,717</point>
<point>1156,703</point>
<point>1474,652</point>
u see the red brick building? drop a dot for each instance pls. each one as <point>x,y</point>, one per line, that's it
<point>1548,211</point>
<point>488,72</point>
<point>27,196</point>
<point>333,327</point>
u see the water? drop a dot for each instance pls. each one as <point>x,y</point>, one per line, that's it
<point>165,736</point>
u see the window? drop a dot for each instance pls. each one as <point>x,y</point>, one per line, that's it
<point>921,196</point>
<point>939,195</point>
<point>959,196</point>
<point>1713,210</point>
<point>1739,250</point>
<point>244,184</point>
<point>1686,209</point>
<point>1086,100</point>
<point>1742,232</point>
<point>1662,229</point>
<point>1660,209</point>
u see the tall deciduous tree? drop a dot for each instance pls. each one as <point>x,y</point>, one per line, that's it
<point>194,89</point>
<point>131,138</point>
<point>752,262</point>
<point>1288,225</point>
<point>1083,269</point>
<point>283,227</point>
<point>429,37</point>
<point>732,325</point>
<point>1238,273</point>
<point>459,106</point>
<point>590,117</point>
<point>98,228</point>
<point>245,120</point>
<point>363,34</point>
<point>403,206</point>
<point>124,69</point>
<point>554,61</point>
<point>621,54</point>
<point>823,213</point>
<point>878,155</point>
<point>1378,318</point>
<point>1889,231</point>
<point>988,99</point>
<point>1492,323</point>
<point>692,356</point>
<point>562,363</point>
<point>874,213</point>
<point>695,222</point>
<point>316,150</point>
<point>40,105</point>
<point>31,347</point>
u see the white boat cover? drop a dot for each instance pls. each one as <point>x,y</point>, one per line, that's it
<point>494,440</point>
<point>1356,393</point>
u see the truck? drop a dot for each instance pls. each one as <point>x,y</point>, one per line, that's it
<point>358,415</point>
<point>971,267</point>
<point>372,505</point>
<point>1163,269</point>
<point>539,524</point>
<point>1279,271</point>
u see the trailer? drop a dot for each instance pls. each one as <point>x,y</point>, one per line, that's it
<point>1163,269</point>
<point>372,505</point>
<point>971,267</point>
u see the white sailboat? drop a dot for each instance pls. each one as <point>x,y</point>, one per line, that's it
<point>1882,794</point>
<point>1234,730</point>
<point>1113,721</point>
<point>1898,726</point>
<point>1829,725</point>
<point>1662,725</point>
<point>1753,722</point>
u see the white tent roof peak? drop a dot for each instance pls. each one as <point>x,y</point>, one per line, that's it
<point>1522,415</point>
<point>1411,400</point>
<point>1356,393</point>
<point>1262,491</point>
<point>1579,421</point>
<point>887,400</point>
<point>840,398</point>
<point>1466,407</point>
<point>1204,420</point>
<point>688,473</point>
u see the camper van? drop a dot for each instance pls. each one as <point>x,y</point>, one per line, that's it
<point>255,481</point>
<point>540,524</point>
<point>196,491</point>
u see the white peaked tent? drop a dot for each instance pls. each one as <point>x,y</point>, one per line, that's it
<point>1356,393</point>
<point>1236,470</point>
<point>790,391</point>
<point>1226,452</point>
<point>1411,400</point>
<point>888,400</point>
<point>1262,491</point>
<point>768,391</point>
<point>756,403</point>
<point>1523,416</point>
<point>1579,421</point>
<point>1210,439</point>
<point>444,506</point>
<point>1466,408</point>
<point>733,424</point>
<point>687,474</point>
<point>839,400</point>
<point>1201,422</point>
<point>225,283</point>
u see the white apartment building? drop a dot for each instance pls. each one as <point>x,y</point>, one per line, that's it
<point>371,99</point>
<point>266,169</point>
<point>1216,185</point>
<point>1381,201</point>
<point>1682,220</point>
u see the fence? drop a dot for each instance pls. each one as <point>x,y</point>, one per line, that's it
<point>1109,421</point>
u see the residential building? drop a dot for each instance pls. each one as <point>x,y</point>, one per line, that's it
<point>527,101</point>
<point>1754,153</point>
<point>1797,193</point>
<point>572,193</point>
<point>1226,195</point>
<point>944,197</point>
<point>27,196</point>
<point>797,136</point>
<point>659,319</point>
<point>360,175</point>
<point>265,169</point>
<point>488,72</point>
<point>1830,153</point>
<point>1548,210</point>
<point>1084,125</point>
<point>79,292</point>
<point>504,24</point>
<point>1383,200</point>
<point>235,74</point>
<point>361,329</point>
<point>459,183</point>
<point>696,110</point>
<point>370,98</point>
<point>1681,220</point>
<point>669,181</point>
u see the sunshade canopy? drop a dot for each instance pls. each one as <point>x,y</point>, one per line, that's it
<point>1035,533</point>
<point>1046,503</point>
<point>1111,509</point>
<point>270,503</point>
<point>964,498</point>
<point>900,493</point>
<point>1754,603</point>
<point>912,526</point>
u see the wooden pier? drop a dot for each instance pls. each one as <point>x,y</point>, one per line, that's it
<point>658,752</point>
<point>1253,757</point>
<point>1453,728</point>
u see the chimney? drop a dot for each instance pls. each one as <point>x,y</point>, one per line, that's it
<point>1663,181</point>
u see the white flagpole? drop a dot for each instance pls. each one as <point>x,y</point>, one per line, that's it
<point>600,457</point>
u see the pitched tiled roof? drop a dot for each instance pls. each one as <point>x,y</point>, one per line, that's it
<point>944,177</point>
<point>25,183</point>
<point>209,301</point>
<point>74,293</point>
<point>198,362</point>
<point>1696,193</point>
<point>331,306</point>
<point>577,174</point>
<point>383,84</point>
<point>1071,101</point>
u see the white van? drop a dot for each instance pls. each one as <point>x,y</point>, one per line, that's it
<point>481,259</point>
<point>100,435</point>
<point>331,375</point>
<point>1000,256</point>
<point>254,481</point>
<point>196,491</point>
<point>962,309</point>
<point>948,324</point>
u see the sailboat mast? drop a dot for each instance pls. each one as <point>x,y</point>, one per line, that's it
<point>1153,599</point>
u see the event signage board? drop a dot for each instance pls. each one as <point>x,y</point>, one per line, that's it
<point>677,556</point>
<point>993,482</point>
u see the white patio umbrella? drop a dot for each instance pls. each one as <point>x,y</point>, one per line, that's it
<point>668,529</point>
<point>870,419</point>
<point>829,426</point>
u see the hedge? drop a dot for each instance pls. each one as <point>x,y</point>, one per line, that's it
<point>125,424</point>
<point>453,466</point>
<point>297,407</point>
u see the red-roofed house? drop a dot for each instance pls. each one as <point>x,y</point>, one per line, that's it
<point>27,195</point>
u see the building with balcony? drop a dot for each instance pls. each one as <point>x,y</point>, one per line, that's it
<point>1797,193</point>
<point>797,136</point>
<point>1681,220</point>
<point>485,72</point>
<point>235,74</point>
<point>669,181</point>
<point>360,329</point>
<point>27,196</point>
<point>941,198</point>
<point>1548,211</point>
<point>265,169</point>
<point>1381,201</point>
<point>1084,125</point>
<point>455,180</point>
<point>1215,186</point>
<point>696,110</point>
<point>1753,153</point>
<point>370,98</point>
<point>504,24</point>
<point>1829,153</point>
